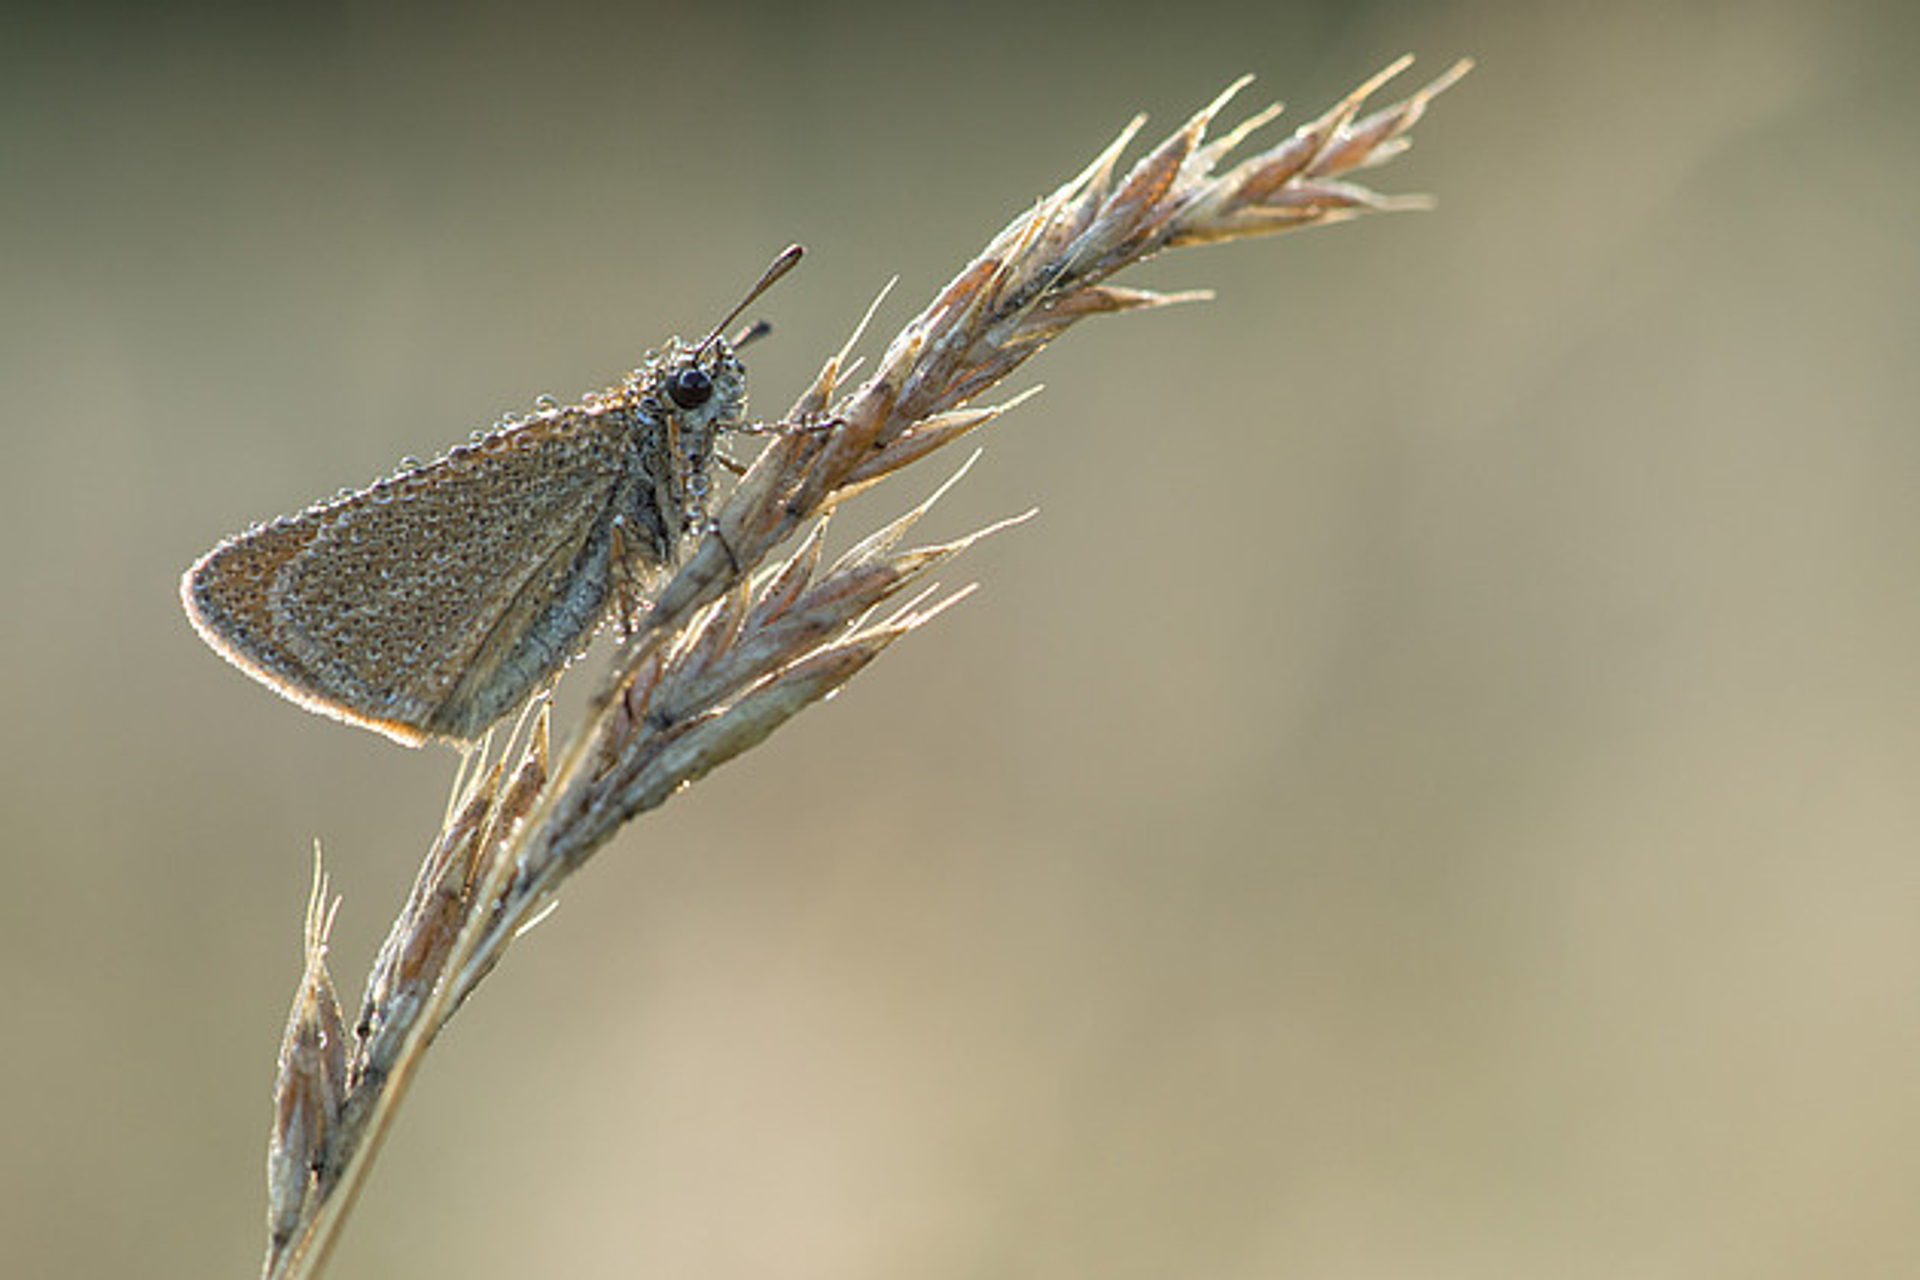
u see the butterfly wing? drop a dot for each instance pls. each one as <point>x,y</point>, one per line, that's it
<point>435,601</point>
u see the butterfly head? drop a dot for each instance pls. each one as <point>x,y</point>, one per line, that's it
<point>705,386</point>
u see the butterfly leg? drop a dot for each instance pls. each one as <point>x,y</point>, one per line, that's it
<point>805,424</point>
<point>713,531</point>
<point>628,587</point>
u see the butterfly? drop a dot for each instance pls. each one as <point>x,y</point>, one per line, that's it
<point>438,600</point>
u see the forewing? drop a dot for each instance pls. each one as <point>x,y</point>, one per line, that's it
<point>409,578</point>
<point>370,607</point>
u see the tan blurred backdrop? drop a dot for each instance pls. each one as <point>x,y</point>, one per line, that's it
<point>1433,794</point>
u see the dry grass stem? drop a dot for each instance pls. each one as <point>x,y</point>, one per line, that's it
<point>730,650</point>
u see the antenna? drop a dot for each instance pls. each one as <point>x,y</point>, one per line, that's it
<point>788,259</point>
<point>752,333</point>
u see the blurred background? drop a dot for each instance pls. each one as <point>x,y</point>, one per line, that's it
<point>1432,794</point>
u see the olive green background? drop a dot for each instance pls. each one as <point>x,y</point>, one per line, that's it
<point>1433,794</point>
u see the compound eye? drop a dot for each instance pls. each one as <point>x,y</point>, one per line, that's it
<point>690,388</point>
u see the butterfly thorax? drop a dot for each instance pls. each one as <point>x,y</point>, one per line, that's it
<point>679,403</point>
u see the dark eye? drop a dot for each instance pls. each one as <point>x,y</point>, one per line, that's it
<point>690,388</point>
